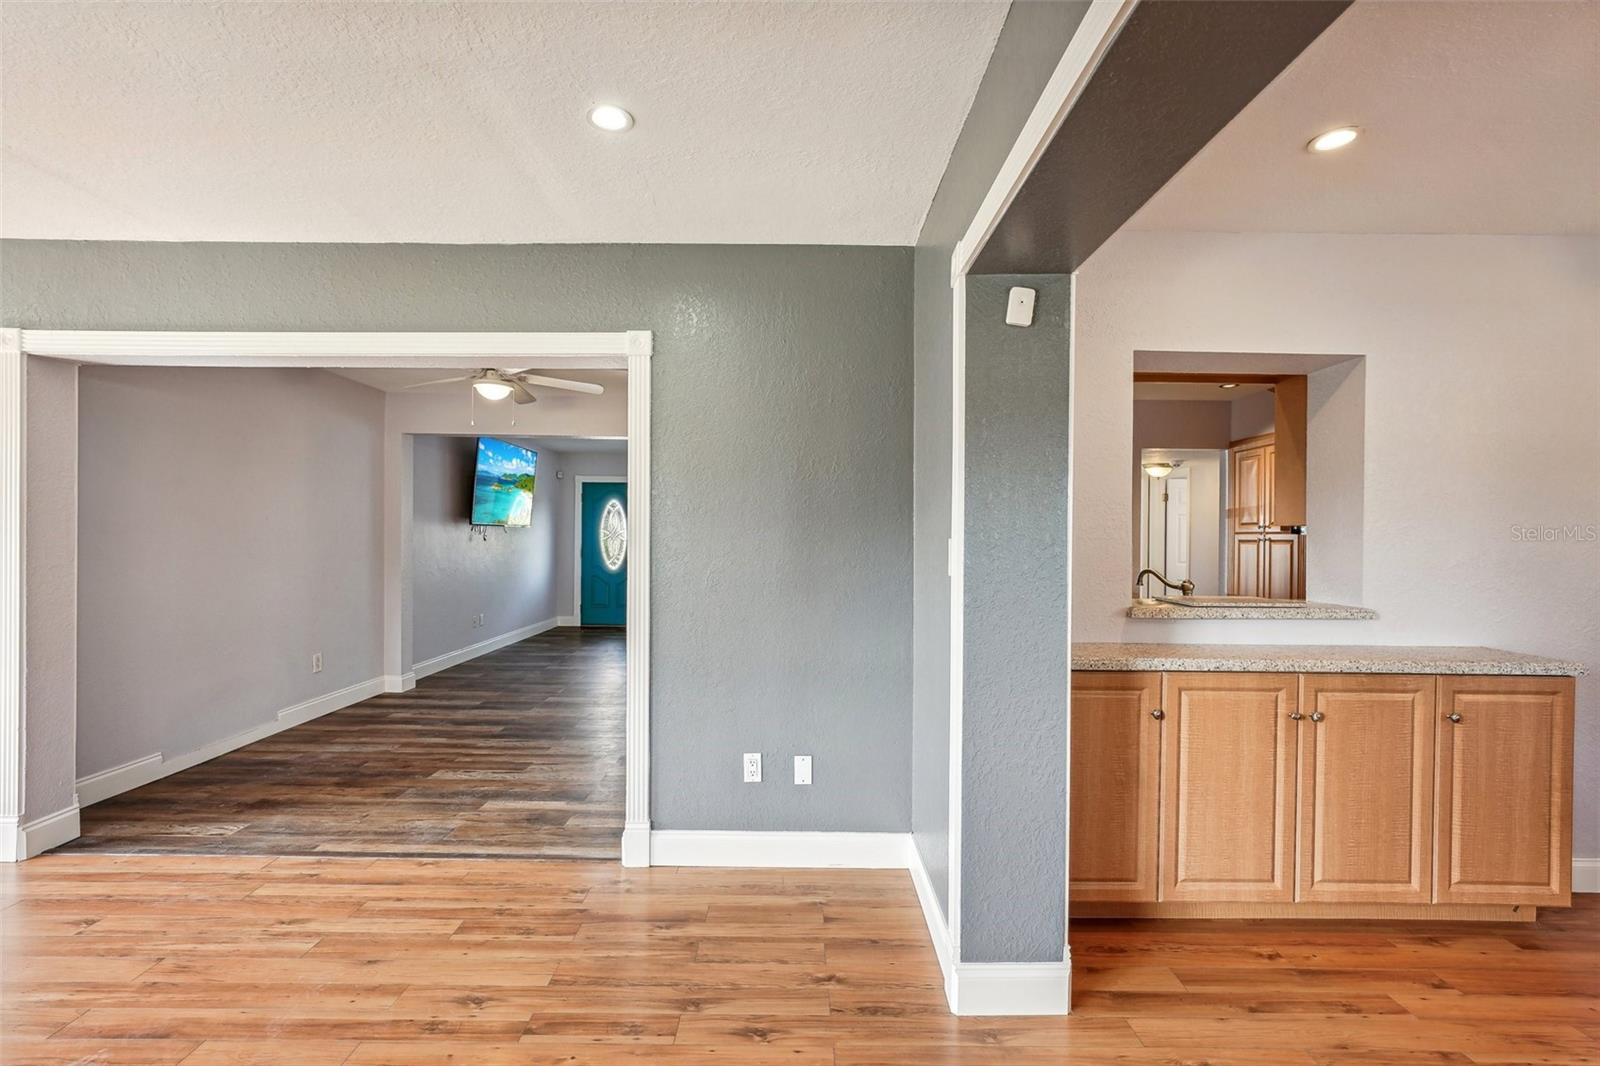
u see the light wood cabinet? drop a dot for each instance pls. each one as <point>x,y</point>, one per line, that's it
<point>1263,560</point>
<point>1227,778</point>
<point>1366,788</point>
<point>1115,765</point>
<point>1504,785</point>
<point>1322,795</point>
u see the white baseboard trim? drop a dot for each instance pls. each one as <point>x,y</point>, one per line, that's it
<point>483,647</point>
<point>1586,875</point>
<point>131,775</point>
<point>636,845</point>
<point>938,925</point>
<point>569,620</point>
<point>51,831</point>
<point>799,850</point>
<point>1011,988</point>
<point>10,840</point>
<point>399,682</point>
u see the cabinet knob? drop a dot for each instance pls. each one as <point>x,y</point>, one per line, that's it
<point>1158,714</point>
<point>1316,716</point>
<point>1454,716</point>
<point>1295,716</point>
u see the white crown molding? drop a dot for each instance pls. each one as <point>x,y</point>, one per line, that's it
<point>472,651</point>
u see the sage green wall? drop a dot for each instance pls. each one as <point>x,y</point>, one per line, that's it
<point>781,449</point>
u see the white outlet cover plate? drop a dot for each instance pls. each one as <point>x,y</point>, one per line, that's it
<point>752,767</point>
<point>802,769</point>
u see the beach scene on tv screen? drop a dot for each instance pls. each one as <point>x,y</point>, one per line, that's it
<point>502,491</point>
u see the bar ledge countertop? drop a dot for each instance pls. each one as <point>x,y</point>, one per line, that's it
<point>1318,659</point>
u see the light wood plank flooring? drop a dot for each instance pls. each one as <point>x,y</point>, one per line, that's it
<point>233,959</point>
<point>518,753</point>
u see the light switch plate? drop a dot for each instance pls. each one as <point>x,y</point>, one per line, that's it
<point>802,769</point>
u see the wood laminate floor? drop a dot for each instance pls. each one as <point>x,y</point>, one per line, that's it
<point>205,960</point>
<point>518,753</point>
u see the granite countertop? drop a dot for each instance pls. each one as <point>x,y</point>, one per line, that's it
<point>1318,659</point>
<point>1309,612</point>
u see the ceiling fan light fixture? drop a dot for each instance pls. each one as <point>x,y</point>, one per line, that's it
<point>492,390</point>
<point>1159,470</point>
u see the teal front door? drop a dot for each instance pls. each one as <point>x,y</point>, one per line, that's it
<point>603,554</point>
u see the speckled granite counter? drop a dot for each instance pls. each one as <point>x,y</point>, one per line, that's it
<point>1317,659</point>
<point>1308,612</point>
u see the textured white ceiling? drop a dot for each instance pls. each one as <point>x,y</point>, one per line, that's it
<point>1478,117</point>
<point>810,123</point>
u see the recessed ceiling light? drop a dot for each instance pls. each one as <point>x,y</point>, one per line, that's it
<point>611,118</point>
<point>1229,385</point>
<point>1333,139</point>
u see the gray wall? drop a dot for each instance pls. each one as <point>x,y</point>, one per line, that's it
<point>781,451</point>
<point>51,565</point>
<point>508,575</point>
<point>229,527</point>
<point>574,465</point>
<point>1016,681</point>
<point>1026,53</point>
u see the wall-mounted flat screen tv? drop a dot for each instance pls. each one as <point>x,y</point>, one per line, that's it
<point>502,487</point>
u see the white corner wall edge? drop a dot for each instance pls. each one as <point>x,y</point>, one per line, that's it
<point>1586,875</point>
<point>142,771</point>
<point>483,647</point>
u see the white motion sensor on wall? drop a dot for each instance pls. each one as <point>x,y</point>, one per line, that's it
<point>1019,306</point>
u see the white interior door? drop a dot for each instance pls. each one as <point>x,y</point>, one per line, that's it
<point>1177,532</point>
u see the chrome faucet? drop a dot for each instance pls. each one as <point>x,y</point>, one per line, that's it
<point>1184,587</point>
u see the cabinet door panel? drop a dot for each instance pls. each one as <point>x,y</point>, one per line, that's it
<point>1280,566</point>
<point>1366,788</point>
<point>1248,489</point>
<point>1227,773</point>
<point>1115,763</point>
<point>1503,828</point>
<point>1244,569</point>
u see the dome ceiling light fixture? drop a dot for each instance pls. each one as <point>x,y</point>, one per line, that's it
<point>611,118</point>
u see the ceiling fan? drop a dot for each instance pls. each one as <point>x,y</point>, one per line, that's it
<point>494,384</point>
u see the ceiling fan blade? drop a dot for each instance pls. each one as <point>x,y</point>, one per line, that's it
<point>440,381</point>
<point>561,383</point>
<point>520,393</point>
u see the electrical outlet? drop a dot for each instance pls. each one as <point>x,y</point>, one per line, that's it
<point>752,766</point>
<point>316,662</point>
<point>802,769</point>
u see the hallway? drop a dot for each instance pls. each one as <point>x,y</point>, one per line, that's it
<point>518,754</point>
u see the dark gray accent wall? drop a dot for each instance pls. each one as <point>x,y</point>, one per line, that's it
<point>1026,53</point>
<point>1175,75</point>
<point>1016,667</point>
<point>781,449</point>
